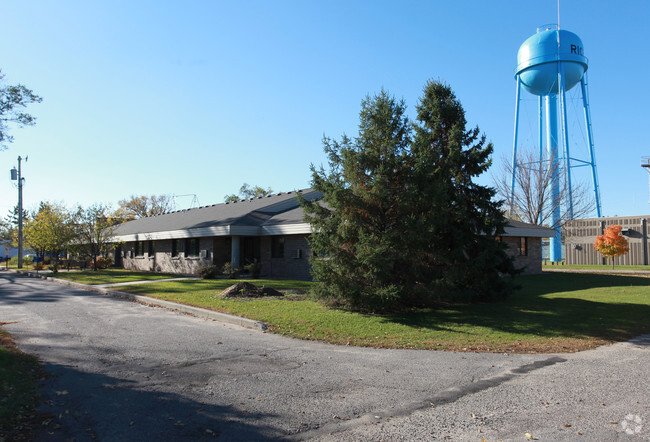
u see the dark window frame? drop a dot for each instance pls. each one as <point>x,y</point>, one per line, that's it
<point>192,247</point>
<point>523,246</point>
<point>277,247</point>
<point>174,248</point>
<point>139,248</point>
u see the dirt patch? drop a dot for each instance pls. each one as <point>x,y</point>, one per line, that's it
<point>245,289</point>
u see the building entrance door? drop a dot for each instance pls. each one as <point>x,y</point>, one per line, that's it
<point>249,250</point>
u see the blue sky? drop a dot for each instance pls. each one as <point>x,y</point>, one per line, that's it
<point>198,97</point>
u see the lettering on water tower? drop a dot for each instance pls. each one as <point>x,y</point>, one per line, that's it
<point>575,49</point>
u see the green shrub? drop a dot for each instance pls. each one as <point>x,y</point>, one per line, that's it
<point>54,268</point>
<point>37,266</point>
<point>208,272</point>
<point>104,262</point>
<point>230,271</point>
<point>254,268</point>
<point>27,260</point>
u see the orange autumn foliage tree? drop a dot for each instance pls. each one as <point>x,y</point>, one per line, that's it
<point>611,243</point>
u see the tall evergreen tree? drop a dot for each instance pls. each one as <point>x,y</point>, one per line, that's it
<point>361,261</point>
<point>401,222</point>
<point>463,258</point>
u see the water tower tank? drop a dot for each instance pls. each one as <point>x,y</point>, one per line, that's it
<point>538,57</point>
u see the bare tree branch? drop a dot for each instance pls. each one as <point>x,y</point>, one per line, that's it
<point>533,201</point>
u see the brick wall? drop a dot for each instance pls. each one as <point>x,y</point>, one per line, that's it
<point>294,264</point>
<point>531,263</point>
<point>163,261</point>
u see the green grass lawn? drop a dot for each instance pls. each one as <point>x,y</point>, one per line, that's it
<point>551,313</point>
<point>112,276</point>
<point>607,267</point>
<point>19,394</point>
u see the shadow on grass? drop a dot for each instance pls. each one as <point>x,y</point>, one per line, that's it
<point>547,306</point>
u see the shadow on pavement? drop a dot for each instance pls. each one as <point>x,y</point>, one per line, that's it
<point>84,406</point>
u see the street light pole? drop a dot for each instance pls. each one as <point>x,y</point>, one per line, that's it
<point>19,176</point>
<point>645,163</point>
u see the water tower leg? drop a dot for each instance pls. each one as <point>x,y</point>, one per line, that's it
<point>540,129</point>
<point>552,152</point>
<point>514,148</point>
<point>592,154</point>
<point>565,140</point>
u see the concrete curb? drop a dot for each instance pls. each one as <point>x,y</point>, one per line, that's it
<point>194,311</point>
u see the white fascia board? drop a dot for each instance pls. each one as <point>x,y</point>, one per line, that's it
<point>244,231</point>
<point>540,232</point>
<point>287,229</point>
<point>176,234</point>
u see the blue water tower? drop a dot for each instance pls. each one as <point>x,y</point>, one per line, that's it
<point>549,64</point>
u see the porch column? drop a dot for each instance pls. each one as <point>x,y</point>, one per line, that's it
<point>234,251</point>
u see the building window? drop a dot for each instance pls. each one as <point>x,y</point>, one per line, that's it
<point>523,246</point>
<point>277,247</point>
<point>150,248</point>
<point>139,248</point>
<point>174,247</point>
<point>192,247</point>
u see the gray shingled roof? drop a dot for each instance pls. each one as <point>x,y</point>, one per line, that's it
<point>268,213</point>
<point>518,228</point>
<point>253,213</point>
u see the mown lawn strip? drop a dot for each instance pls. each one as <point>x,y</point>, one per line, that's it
<point>110,276</point>
<point>551,313</point>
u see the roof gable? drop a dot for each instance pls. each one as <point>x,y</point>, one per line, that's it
<point>218,217</point>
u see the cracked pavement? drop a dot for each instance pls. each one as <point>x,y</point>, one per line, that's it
<point>125,371</point>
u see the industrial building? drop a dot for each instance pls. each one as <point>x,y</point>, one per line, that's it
<point>580,234</point>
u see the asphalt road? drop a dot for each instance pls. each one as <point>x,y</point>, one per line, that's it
<point>125,371</point>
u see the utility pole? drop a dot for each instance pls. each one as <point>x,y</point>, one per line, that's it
<point>17,175</point>
<point>645,163</point>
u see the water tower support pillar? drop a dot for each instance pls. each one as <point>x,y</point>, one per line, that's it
<point>590,138</point>
<point>552,152</point>
<point>514,148</point>
<point>565,140</point>
<point>540,130</point>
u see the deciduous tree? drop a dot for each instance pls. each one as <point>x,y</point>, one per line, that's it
<point>13,100</point>
<point>143,206</point>
<point>532,201</point>
<point>247,192</point>
<point>94,230</point>
<point>612,243</point>
<point>49,230</point>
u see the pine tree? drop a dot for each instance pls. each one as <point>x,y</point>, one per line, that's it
<point>461,220</point>
<point>401,222</point>
<point>361,261</point>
